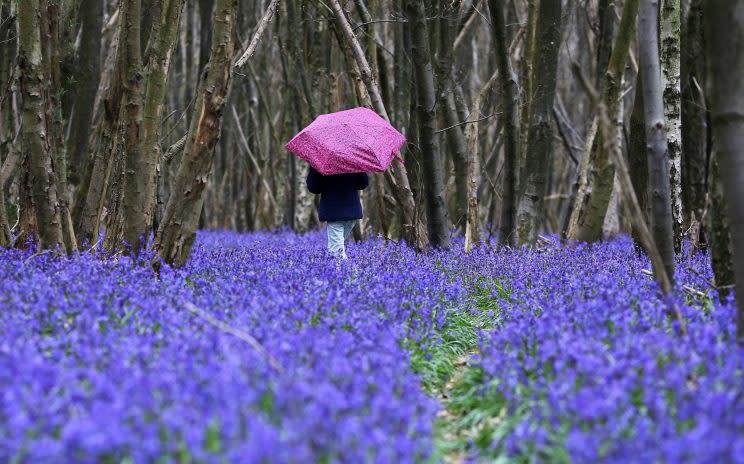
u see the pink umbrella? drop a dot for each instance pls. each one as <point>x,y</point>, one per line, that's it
<point>356,140</point>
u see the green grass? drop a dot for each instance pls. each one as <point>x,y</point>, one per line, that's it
<point>474,414</point>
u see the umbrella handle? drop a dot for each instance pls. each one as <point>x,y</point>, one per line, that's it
<point>397,156</point>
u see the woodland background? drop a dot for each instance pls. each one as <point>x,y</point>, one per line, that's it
<point>139,121</point>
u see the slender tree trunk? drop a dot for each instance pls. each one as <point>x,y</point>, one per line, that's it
<point>694,122</point>
<point>548,42</point>
<point>145,101</point>
<point>92,191</point>
<point>721,253</point>
<point>472,229</point>
<point>412,231</point>
<point>638,156</point>
<point>39,203</point>
<point>526,78</point>
<point>670,79</point>
<point>89,72</point>
<point>658,163</point>
<point>510,96</point>
<point>588,218</point>
<point>724,29</point>
<point>427,119</point>
<point>128,218</point>
<point>456,141</point>
<point>177,232</point>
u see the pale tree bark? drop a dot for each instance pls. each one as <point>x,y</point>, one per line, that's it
<point>590,208</point>
<point>177,231</point>
<point>437,217</point>
<point>40,208</point>
<point>511,101</point>
<point>724,33</point>
<point>694,123</point>
<point>658,162</point>
<point>472,225</point>
<point>413,233</point>
<point>670,78</point>
<point>540,135</point>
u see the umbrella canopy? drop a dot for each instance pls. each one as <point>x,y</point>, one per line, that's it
<point>356,140</point>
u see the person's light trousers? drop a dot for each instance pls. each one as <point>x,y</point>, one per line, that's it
<point>338,233</point>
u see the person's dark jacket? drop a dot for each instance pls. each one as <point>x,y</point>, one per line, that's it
<point>339,196</point>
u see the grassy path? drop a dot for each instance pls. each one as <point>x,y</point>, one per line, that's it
<point>470,419</point>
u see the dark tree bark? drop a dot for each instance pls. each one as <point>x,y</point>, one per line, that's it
<point>721,253</point>
<point>40,208</point>
<point>591,207</point>
<point>532,190</point>
<point>91,193</point>
<point>427,119</point>
<point>177,232</point>
<point>412,231</point>
<point>89,71</point>
<point>638,156</point>
<point>510,96</point>
<point>129,210</point>
<point>694,122</point>
<point>658,162</point>
<point>724,33</point>
<point>455,135</point>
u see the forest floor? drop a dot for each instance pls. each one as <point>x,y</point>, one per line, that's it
<point>262,348</point>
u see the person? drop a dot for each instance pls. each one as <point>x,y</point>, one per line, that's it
<point>339,204</point>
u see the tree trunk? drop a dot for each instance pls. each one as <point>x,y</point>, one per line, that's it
<point>40,206</point>
<point>510,96</point>
<point>140,189</point>
<point>670,79</point>
<point>458,145</point>
<point>437,219</point>
<point>89,72</point>
<point>412,231</point>
<point>547,43</point>
<point>638,156</point>
<point>724,33</point>
<point>526,79</point>
<point>694,122</point>
<point>472,229</point>
<point>91,193</point>
<point>658,163</point>
<point>127,221</point>
<point>721,253</point>
<point>589,214</point>
<point>177,232</point>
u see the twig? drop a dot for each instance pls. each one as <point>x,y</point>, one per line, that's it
<point>246,337</point>
<point>467,121</point>
<point>694,292</point>
<point>262,24</point>
<point>367,23</point>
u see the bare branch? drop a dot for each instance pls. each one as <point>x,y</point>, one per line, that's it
<point>246,337</point>
<point>262,24</point>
